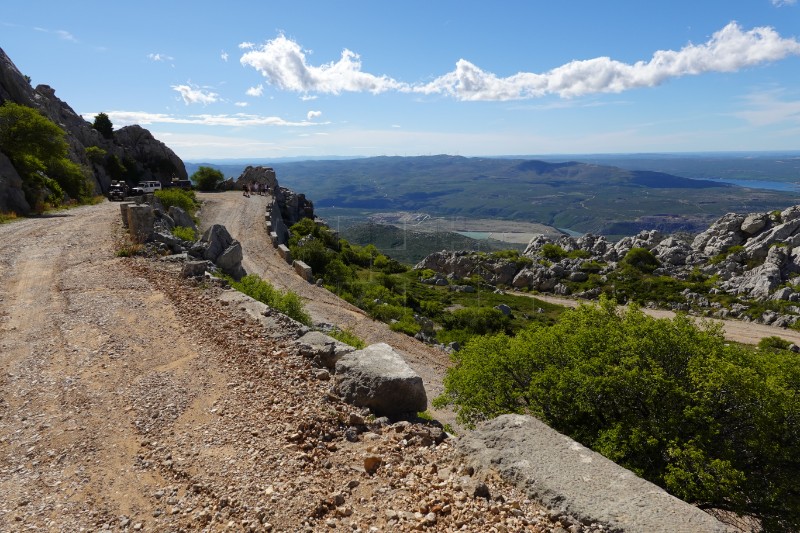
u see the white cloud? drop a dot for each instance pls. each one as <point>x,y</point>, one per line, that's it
<point>730,49</point>
<point>61,34</point>
<point>224,56</point>
<point>127,118</point>
<point>308,97</point>
<point>246,45</point>
<point>283,63</point>
<point>313,114</point>
<point>240,104</point>
<point>67,36</point>
<point>768,108</point>
<point>195,95</point>
<point>255,91</point>
<point>159,57</point>
<point>781,3</point>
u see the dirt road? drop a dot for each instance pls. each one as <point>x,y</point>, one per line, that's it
<point>735,330</point>
<point>244,219</point>
<point>134,400</point>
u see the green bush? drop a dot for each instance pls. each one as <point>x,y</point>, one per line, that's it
<point>287,302</point>
<point>184,233</point>
<point>553,252</point>
<point>186,200</point>
<point>714,423</point>
<point>773,343</point>
<point>641,259</point>
<point>348,337</point>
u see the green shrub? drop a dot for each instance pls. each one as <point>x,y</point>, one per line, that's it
<point>553,252</point>
<point>714,423</point>
<point>184,233</point>
<point>186,200</point>
<point>773,343</point>
<point>287,302</point>
<point>348,337</point>
<point>641,259</point>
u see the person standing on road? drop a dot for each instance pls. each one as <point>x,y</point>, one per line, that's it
<point>245,191</point>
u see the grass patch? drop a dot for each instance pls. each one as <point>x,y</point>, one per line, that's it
<point>184,233</point>
<point>288,303</point>
<point>348,337</point>
<point>7,217</point>
<point>129,250</point>
<point>186,200</point>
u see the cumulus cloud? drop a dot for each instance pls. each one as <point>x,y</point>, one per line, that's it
<point>240,104</point>
<point>730,49</point>
<point>159,57</point>
<point>255,91</point>
<point>283,63</point>
<point>127,118</point>
<point>195,95</point>
<point>224,56</point>
<point>313,114</point>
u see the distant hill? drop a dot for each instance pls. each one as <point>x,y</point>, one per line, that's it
<point>578,196</point>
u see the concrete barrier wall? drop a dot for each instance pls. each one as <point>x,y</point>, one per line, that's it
<point>572,479</point>
<point>285,253</point>
<point>303,270</point>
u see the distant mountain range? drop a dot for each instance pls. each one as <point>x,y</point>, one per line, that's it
<point>583,197</point>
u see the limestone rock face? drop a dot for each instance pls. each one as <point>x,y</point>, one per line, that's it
<point>377,377</point>
<point>261,175</point>
<point>181,217</point>
<point>721,235</point>
<point>11,196</point>
<point>223,250</point>
<point>134,146</point>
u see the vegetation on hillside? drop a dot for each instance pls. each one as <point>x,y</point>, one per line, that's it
<point>38,149</point>
<point>715,424</point>
<point>286,302</point>
<point>394,293</point>
<point>186,200</point>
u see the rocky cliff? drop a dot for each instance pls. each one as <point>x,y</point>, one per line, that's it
<point>142,156</point>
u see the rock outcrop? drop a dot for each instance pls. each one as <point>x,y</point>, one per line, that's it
<point>377,377</point>
<point>755,256</point>
<point>143,156</point>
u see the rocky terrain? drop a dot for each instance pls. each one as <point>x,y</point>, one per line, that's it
<point>752,256</point>
<point>143,156</point>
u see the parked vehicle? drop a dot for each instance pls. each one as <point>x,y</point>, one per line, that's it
<point>145,187</point>
<point>186,185</point>
<point>118,191</point>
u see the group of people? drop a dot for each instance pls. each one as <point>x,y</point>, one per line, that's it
<point>255,188</point>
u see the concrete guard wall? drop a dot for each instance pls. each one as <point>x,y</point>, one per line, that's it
<point>572,479</point>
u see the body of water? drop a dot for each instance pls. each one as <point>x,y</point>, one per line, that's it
<point>784,186</point>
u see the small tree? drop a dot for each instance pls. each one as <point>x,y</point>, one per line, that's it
<point>207,178</point>
<point>103,124</point>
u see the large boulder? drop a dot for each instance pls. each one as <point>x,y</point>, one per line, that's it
<point>181,217</point>
<point>11,196</point>
<point>378,377</point>
<point>322,349</point>
<point>218,246</point>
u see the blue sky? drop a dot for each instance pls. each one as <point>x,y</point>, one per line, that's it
<point>355,78</point>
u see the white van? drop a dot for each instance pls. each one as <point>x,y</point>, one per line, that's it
<point>145,187</point>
